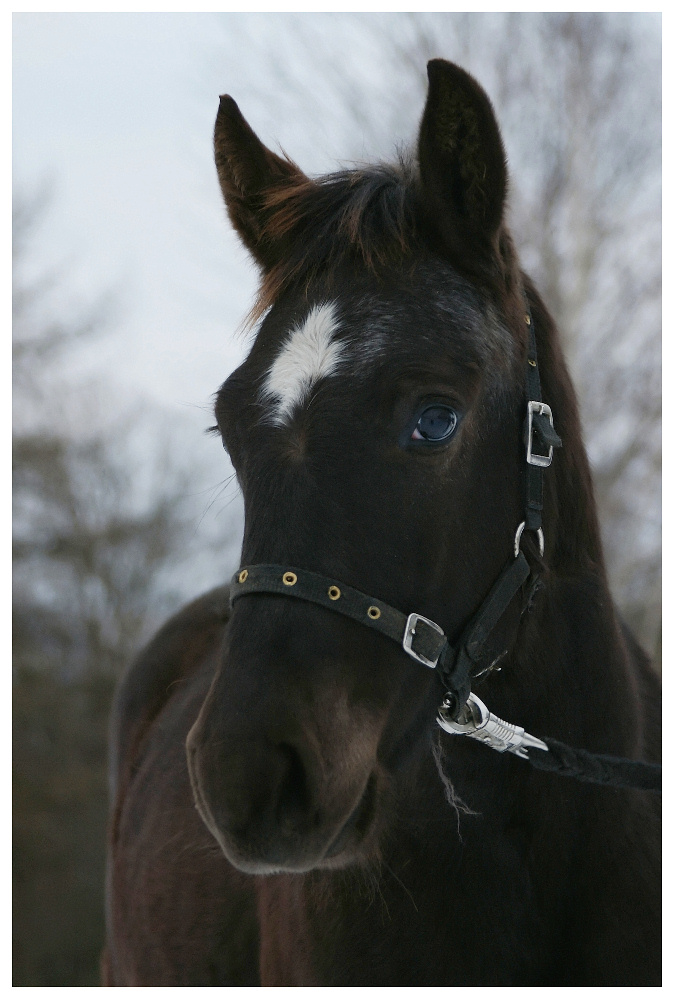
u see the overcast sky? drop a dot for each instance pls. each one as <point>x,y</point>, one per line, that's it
<point>109,109</point>
<point>116,112</point>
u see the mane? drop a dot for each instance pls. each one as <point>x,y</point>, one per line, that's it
<point>366,215</point>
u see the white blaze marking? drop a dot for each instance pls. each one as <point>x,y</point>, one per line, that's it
<point>308,354</point>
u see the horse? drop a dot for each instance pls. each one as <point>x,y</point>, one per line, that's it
<point>286,809</point>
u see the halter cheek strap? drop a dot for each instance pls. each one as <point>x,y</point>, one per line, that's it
<point>540,439</point>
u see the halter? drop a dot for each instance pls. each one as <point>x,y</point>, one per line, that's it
<point>421,638</point>
<point>461,712</point>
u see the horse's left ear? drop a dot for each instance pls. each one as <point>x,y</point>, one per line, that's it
<point>462,164</point>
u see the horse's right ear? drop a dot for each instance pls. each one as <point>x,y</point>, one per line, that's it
<point>247,171</point>
<point>462,164</point>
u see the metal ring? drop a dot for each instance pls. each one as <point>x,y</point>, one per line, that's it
<point>334,593</point>
<point>518,535</point>
<point>289,578</point>
<point>373,612</point>
<point>243,575</point>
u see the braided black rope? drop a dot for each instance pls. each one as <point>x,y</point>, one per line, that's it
<point>594,768</point>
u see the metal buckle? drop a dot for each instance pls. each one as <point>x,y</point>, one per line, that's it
<point>408,637</point>
<point>540,460</point>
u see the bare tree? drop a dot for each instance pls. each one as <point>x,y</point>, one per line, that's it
<point>95,539</point>
<point>586,207</point>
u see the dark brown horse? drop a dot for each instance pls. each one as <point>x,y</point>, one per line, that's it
<point>339,836</point>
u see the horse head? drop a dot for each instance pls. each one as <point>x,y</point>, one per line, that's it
<point>376,432</point>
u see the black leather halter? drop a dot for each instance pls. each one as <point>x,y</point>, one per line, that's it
<point>422,639</point>
<point>461,712</point>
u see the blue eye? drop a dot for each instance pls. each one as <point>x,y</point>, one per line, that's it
<point>435,423</point>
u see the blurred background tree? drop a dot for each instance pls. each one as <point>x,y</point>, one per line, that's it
<point>92,541</point>
<point>105,542</point>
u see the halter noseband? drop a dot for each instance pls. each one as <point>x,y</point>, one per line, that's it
<point>421,638</point>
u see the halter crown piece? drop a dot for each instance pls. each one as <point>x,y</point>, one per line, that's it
<point>461,712</point>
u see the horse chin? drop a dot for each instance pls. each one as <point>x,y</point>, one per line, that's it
<point>343,852</point>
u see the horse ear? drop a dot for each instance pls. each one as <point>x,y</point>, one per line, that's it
<point>247,170</point>
<point>462,164</point>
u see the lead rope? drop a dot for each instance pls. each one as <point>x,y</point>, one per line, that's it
<point>477,722</point>
<point>594,768</point>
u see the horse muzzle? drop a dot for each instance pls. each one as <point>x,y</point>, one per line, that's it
<point>284,800</point>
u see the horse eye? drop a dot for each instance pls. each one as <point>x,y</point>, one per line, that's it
<point>435,423</point>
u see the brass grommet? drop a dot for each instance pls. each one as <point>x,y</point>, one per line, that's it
<point>373,612</point>
<point>527,320</point>
<point>243,575</point>
<point>334,593</point>
<point>289,578</point>
<point>532,363</point>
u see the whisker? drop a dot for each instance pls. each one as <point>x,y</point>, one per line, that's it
<point>218,491</point>
<point>452,797</point>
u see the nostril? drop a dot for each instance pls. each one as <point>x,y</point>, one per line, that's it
<point>293,804</point>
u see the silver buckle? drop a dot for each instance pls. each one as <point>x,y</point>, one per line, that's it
<point>410,632</point>
<point>540,460</point>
